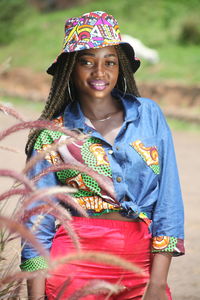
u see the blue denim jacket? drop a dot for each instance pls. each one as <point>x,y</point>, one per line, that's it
<point>144,173</point>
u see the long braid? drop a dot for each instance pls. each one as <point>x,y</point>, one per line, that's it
<point>58,96</point>
<point>126,72</point>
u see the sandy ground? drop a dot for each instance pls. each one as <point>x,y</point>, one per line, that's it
<point>184,277</point>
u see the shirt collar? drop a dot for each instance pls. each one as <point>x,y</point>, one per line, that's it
<point>74,117</point>
<point>130,103</point>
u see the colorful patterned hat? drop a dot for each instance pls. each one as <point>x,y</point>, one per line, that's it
<point>94,30</point>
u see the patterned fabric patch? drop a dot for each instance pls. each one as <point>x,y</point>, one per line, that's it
<point>86,185</point>
<point>46,139</point>
<point>52,157</point>
<point>89,194</point>
<point>95,203</point>
<point>144,217</point>
<point>95,157</point>
<point>59,121</point>
<point>148,154</point>
<point>34,264</point>
<point>105,211</point>
<point>167,244</point>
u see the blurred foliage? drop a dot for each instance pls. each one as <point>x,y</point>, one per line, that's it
<point>50,5</point>
<point>181,125</point>
<point>190,31</point>
<point>10,13</point>
<point>159,24</point>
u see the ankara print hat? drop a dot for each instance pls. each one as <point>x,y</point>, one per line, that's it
<point>93,30</point>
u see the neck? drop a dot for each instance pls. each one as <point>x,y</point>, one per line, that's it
<point>100,109</point>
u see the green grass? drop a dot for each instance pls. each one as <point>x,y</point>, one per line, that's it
<point>18,103</point>
<point>157,23</point>
<point>179,125</point>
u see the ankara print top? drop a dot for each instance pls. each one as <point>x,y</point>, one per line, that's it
<point>141,166</point>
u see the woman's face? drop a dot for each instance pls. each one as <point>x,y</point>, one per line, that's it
<point>96,72</point>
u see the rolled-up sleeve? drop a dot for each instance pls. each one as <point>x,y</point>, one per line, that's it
<point>168,216</point>
<point>45,229</point>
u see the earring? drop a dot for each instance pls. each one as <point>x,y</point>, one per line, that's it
<point>125,86</point>
<point>69,92</point>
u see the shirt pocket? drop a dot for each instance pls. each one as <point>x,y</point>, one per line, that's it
<point>148,151</point>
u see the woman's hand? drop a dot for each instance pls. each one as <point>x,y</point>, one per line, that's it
<point>155,292</point>
<point>36,287</point>
<point>156,289</point>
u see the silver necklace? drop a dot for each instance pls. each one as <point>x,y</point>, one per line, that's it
<point>104,119</point>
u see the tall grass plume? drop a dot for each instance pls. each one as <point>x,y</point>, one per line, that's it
<point>40,202</point>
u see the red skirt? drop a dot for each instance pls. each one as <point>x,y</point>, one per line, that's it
<point>128,240</point>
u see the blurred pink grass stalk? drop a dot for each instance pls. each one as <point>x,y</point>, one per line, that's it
<point>14,192</point>
<point>65,198</point>
<point>19,177</point>
<point>70,201</point>
<point>31,195</point>
<point>11,149</point>
<point>103,182</point>
<point>99,257</point>
<point>44,194</point>
<point>96,287</point>
<point>53,147</point>
<point>59,213</point>
<point>14,293</point>
<point>56,210</point>
<point>12,112</point>
<point>39,124</point>
<point>19,275</point>
<point>51,207</point>
<point>63,287</point>
<point>15,226</point>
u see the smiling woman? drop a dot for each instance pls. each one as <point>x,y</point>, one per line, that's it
<point>129,144</point>
<point>96,70</point>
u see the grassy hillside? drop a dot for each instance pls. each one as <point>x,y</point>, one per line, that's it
<point>158,23</point>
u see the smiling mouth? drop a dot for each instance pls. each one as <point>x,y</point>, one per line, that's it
<point>98,85</point>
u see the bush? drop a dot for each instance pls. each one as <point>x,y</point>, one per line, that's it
<point>190,31</point>
<point>51,5</point>
<point>9,19</point>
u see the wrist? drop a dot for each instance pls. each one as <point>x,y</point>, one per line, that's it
<point>157,284</point>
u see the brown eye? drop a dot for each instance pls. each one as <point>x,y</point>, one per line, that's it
<point>85,62</point>
<point>111,63</point>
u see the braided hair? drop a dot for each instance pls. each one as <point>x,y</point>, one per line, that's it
<point>60,96</point>
<point>126,81</point>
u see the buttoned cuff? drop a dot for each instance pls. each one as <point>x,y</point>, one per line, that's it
<point>169,244</point>
<point>34,264</point>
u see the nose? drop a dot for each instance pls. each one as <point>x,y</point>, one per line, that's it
<point>99,70</point>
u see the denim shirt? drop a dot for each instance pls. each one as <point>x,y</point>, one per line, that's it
<point>144,174</point>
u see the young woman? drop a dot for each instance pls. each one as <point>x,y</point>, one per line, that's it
<point>129,143</point>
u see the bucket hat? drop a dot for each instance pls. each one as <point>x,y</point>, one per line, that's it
<point>93,30</point>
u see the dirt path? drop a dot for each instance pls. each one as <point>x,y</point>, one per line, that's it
<point>185,271</point>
